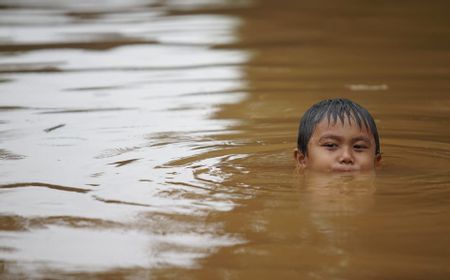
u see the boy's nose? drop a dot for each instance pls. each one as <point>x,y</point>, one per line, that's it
<point>346,157</point>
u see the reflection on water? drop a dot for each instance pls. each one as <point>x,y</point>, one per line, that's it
<point>154,139</point>
<point>96,100</point>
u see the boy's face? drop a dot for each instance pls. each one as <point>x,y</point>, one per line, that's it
<point>339,148</point>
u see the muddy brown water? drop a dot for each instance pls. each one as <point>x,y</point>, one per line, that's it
<point>153,139</point>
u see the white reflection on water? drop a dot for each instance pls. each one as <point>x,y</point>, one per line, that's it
<point>86,135</point>
<point>173,30</point>
<point>96,250</point>
<point>151,26</point>
<point>132,58</point>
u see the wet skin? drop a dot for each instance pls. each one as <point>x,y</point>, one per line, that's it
<point>339,148</point>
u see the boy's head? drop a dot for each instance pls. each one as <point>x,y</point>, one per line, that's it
<point>337,135</point>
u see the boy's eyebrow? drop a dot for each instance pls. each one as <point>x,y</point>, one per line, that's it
<point>338,138</point>
<point>361,138</point>
<point>330,136</point>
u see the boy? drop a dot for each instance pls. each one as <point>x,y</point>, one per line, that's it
<point>337,135</point>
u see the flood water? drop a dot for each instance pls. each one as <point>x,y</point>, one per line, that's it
<point>151,139</point>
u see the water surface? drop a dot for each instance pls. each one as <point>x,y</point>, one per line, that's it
<point>148,139</point>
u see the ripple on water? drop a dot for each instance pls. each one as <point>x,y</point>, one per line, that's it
<point>92,104</point>
<point>7,155</point>
<point>99,250</point>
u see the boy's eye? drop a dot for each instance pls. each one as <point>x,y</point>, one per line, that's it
<point>360,147</point>
<point>330,145</point>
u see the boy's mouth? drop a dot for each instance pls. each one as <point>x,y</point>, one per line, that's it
<point>344,169</point>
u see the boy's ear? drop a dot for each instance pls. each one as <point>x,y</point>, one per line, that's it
<point>299,158</point>
<point>378,159</point>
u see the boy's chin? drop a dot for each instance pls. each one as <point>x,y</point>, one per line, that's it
<point>345,171</point>
<point>320,178</point>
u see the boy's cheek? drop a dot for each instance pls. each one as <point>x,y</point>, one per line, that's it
<point>318,162</point>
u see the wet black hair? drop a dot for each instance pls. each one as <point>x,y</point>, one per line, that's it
<point>333,109</point>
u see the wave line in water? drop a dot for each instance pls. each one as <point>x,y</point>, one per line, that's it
<point>44,185</point>
<point>120,202</point>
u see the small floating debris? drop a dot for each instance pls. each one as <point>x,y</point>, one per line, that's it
<point>364,87</point>
<point>54,127</point>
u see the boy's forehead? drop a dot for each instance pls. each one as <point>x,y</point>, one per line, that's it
<point>337,126</point>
